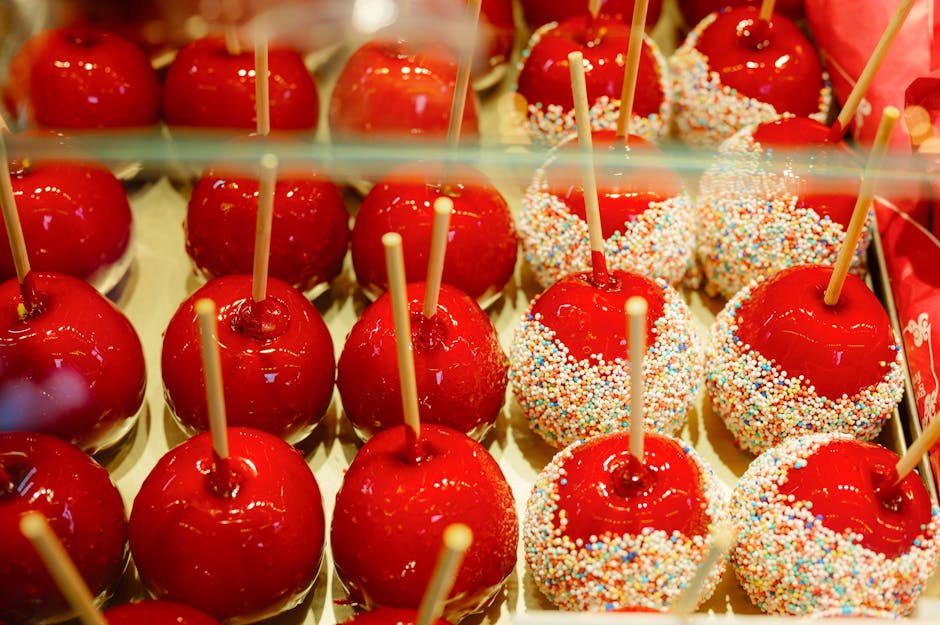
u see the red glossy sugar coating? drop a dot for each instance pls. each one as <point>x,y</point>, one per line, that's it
<point>388,616</point>
<point>236,538</point>
<point>848,483</point>
<point>75,363</point>
<point>277,359</point>
<point>391,89</point>
<point>309,230</point>
<point>694,11</point>
<point>460,366</point>
<point>545,78</point>
<point>157,613</point>
<point>207,87</point>
<point>82,77</point>
<point>793,132</point>
<point>776,64</point>
<point>607,490</point>
<point>481,245</point>
<point>591,321</point>
<point>391,513</point>
<point>839,349</point>
<point>84,509</point>
<point>538,12</point>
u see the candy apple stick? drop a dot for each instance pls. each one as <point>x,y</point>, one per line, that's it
<point>262,90</point>
<point>443,207</point>
<point>11,218</point>
<point>636,308</point>
<point>395,265</point>
<point>457,539</point>
<point>871,68</point>
<point>589,181</point>
<point>927,439</point>
<point>631,68</point>
<point>866,194</point>
<point>594,7</point>
<point>266,185</point>
<point>766,10</point>
<point>463,76</point>
<point>36,529</point>
<point>212,372</point>
<point>231,11</point>
<point>721,542</point>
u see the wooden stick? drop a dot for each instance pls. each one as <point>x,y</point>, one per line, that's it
<point>457,539</point>
<point>927,439</point>
<point>395,265</point>
<point>443,207</point>
<point>212,374</point>
<point>463,76</point>
<point>636,308</point>
<point>631,68</point>
<point>594,7</point>
<point>589,181</point>
<point>231,11</point>
<point>37,530</point>
<point>866,194</point>
<point>11,218</point>
<point>722,540</point>
<point>871,68</point>
<point>262,86</point>
<point>766,10</point>
<point>267,182</point>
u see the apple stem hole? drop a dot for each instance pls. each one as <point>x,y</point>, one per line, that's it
<point>224,480</point>
<point>632,478</point>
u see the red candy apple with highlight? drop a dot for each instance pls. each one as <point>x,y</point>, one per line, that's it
<point>157,613</point>
<point>694,11</point>
<point>538,12</point>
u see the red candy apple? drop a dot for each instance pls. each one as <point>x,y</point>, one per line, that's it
<point>277,359</point>
<point>309,233</point>
<point>538,12</point>
<point>461,368</point>
<point>839,349</point>
<point>157,613</point>
<point>82,77</point>
<point>73,366</point>
<point>481,246</point>
<point>85,510</point>
<point>75,217</point>
<point>694,11</point>
<point>241,538</point>
<point>208,87</point>
<point>391,512</point>
<point>545,77</point>
<point>397,89</point>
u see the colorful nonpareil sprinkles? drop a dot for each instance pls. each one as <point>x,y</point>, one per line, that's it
<point>708,112</point>
<point>614,571</point>
<point>788,562</point>
<point>750,225</point>
<point>566,399</point>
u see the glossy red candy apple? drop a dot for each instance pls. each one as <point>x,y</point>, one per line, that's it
<point>595,503</point>
<point>394,90</point>
<point>827,506</point>
<point>208,87</point>
<point>460,366</point>
<point>392,509</point>
<point>481,245</point>
<point>277,359</point>
<point>241,538</point>
<point>388,616</point>
<point>309,231</point>
<point>42,473</point>
<point>539,12</point>
<point>73,366</point>
<point>75,217</point>
<point>694,11</point>
<point>82,77</point>
<point>157,613</point>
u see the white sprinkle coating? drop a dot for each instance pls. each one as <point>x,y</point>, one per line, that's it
<point>789,563</point>
<point>550,124</point>
<point>750,227</point>
<point>660,243</point>
<point>762,405</point>
<point>708,112</point>
<point>566,399</point>
<point>615,570</point>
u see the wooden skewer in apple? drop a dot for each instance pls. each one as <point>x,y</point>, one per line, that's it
<point>231,11</point>
<point>631,69</point>
<point>267,182</point>
<point>443,207</point>
<point>636,309</point>
<point>11,220</point>
<point>262,79</point>
<point>462,81</point>
<point>457,539</point>
<point>722,539</point>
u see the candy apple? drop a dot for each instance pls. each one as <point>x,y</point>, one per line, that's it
<point>309,232</point>
<point>694,11</point>
<point>393,507</point>
<point>539,12</point>
<point>595,502</point>
<point>396,89</point>
<point>82,77</point>
<point>157,613</point>
<point>277,359</point>
<point>239,538</point>
<point>42,473</point>
<point>70,362</point>
<point>481,246</point>
<point>461,368</point>
<point>208,87</point>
